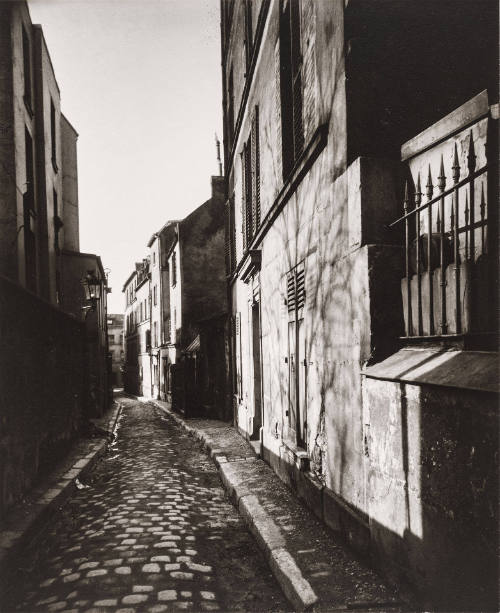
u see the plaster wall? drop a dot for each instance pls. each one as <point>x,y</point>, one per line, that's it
<point>431,463</point>
<point>322,224</point>
<point>14,119</point>
<point>49,179</point>
<point>69,208</point>
<point>201,239</point>
<point>176,304</point>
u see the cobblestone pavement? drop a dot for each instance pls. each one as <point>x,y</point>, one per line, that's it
<point>152,532</point>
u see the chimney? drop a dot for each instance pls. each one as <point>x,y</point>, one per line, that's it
<point>218,188</point>
<point>217,146</point>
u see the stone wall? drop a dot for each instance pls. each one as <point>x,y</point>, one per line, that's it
<point>431,457</point>
<point>41,388</point>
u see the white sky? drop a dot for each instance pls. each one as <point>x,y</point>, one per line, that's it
<point>140,81</point>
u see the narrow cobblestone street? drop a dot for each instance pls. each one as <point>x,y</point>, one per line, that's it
<point>152,531</point>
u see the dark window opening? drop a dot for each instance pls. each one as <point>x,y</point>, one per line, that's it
<point>53,134</point>
<point>251,182</point>
<point>174,269</point>
<point>230,108</point>
<point>58,224</point>
<point>230,243</point>
<point>27,71</point>
<point>29,216</point>
<point>291,85</point>
<point>248,34</point>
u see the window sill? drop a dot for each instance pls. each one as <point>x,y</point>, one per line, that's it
<point>300,455</point>
<point>472,370</point>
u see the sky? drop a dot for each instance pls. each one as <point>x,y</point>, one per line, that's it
<point>140,82</point>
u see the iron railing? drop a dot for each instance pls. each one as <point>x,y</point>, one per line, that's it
<point>437,236</point>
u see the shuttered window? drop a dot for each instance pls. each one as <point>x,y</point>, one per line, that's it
<point>27,69</point>
<point>250,174</point>
<point>230,237</point>
<point>248,33</point>
<point>230,108</point>
<point>173,272</point>
<point>295,289</point>
<point>290,84</point>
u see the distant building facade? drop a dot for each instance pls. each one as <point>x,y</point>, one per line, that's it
<point>323,122</point>
<point>116,350</point>
<point>137,330</point>
<point>198,305</point>
<point>184,307</point>
<point>162,345</point>
<point>53,370</point>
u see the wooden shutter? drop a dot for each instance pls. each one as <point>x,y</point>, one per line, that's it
<point>296,56</point>
<point>248,34</point>
<point>300,287</point>
<point>237,329</point>
<point>290,291</point>
<point>227,236</point>
<point>255,162</point>
<point>248,195</point>
<point>277,108</point>
<point>309,68</point>
<point>232,237</point>
<point>243,200</point>
<point>295,288</point>
<point>286,90</point>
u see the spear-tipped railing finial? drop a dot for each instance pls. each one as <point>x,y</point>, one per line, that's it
<point>471,156</point>
<point>456,166</point>
<point>429,186</point>
<point>441,177</point>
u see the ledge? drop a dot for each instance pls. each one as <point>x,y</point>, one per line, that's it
<point>251,264</point>
<point>458,120</point>
<point>471,370</point>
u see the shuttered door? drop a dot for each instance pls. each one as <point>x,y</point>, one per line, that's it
<point>297,364</point>
<point>237,326</point>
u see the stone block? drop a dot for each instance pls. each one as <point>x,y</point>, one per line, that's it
<point>342,519</point>
<point>310,490</point>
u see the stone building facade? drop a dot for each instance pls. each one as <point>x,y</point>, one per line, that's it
<point>47,356</point>
<point>137,330</point>
<point>328,108</point>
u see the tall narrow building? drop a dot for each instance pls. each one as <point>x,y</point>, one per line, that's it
<point>329,109</point>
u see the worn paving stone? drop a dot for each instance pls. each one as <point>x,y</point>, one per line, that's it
<point>153,532</point>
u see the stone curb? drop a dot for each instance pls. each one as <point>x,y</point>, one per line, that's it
<point>22,531</point>
<point>265,531</point>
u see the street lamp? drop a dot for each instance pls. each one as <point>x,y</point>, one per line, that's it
<point>92,287</point>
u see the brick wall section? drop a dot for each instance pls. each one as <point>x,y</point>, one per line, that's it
<point>41,387</point>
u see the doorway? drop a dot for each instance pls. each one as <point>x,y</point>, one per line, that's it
<point>257,370</point>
